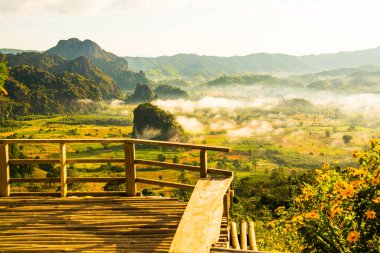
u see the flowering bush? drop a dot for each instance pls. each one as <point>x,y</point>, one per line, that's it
<point>339,212</point>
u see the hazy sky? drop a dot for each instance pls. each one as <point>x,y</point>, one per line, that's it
<point>210,27</point>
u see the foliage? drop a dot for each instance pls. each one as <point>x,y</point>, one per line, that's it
<point>161,157</point>
<point>114,186</point>
<point>142,94</point>
<point>112,65</point>
<point>151,122</point>
<point>183,195</point>
<point>167,91</point>
<point>257,197</point>
<point>339,212</point>
<point>57,65</point>
<point>347,138</point>
<point>3,73</point>
<point>98,120</point>
<point>148,192</point>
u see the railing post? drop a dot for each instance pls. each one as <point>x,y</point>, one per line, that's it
<point>203,161</point>
<point>5,188</point>
<point>130,169</point>
<point>62,152</point>
<point>227,206</point>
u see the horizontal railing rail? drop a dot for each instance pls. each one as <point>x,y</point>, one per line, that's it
<point>129,162</point>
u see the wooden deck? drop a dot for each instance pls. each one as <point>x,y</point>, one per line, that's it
<point>117,224</point>
<point>105,223</point>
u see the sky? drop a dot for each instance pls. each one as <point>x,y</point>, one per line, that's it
<point>204,27</point>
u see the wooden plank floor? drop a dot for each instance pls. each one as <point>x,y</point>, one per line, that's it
<point>101,224</point>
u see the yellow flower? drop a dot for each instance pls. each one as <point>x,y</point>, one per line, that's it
<point>335,210</point>
<point>376,180</point>
<point>312,215</point>
<point>279,209</point>
<point>353,236</point>
<point>370,214</point>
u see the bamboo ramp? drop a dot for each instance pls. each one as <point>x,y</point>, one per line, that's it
<point>107,224</point>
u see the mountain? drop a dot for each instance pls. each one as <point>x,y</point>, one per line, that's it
<point>56,65</point>
<point>114,66</point>
<point>14,51</point>
<point>192,66</point>
<point>142,94</point>
<point>37,91</point>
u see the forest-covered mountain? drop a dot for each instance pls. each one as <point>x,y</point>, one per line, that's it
<point>192,66</point>
<point>114,66</point>
<point>346,80</point>
<point>56,64</point>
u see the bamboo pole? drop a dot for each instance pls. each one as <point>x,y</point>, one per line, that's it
<point>62,151</point>
<point>243,235</point>
<point>130,169</point>
<point>5,188</point>
<point>234,236</point>
<point>252,236</point>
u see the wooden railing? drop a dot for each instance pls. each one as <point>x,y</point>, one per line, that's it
<point>129,161</point>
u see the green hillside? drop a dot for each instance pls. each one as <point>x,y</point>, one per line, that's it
<point>114,66</point>
<point>192,66</point>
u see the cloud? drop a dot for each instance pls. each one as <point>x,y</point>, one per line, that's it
<point>92,7</point>
<point>190,124</point>
<point>215,103</point>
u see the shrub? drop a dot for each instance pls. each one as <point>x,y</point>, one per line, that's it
<point>339,212</point>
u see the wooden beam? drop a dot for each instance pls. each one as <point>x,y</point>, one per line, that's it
<point>234,236</point>
<point>163,183</point>
<point>203,163</point>
<point>130,169</point>
<point>243,235</point>
<point>252,236</point>
<point>62,152</point>
<point>119,140</point>
<point>200,224</point>
<point>227,173</point>
<point>4,171</point>
<point>168,165</point>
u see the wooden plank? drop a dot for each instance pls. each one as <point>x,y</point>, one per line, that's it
<point>4,171</point>
<point>164,183</point>
<point>179,145</point>
<point>243,235</point>
<point>25,194</point>
<point>234,236</point>
<point>35,180</point>
<point>62,153</point>
<point>118,140</point>
<point>200,224</point>
<point>227,173</point>
<point>130,169</point>
<point>203,163</point>
<point>168,165</point>
<point>252,236</point>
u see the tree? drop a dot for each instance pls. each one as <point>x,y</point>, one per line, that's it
<point>3,73</point>
<point>175,159</point>
<point>151,122</point>
<point>347,138</point>
<point>161,157</point>
<point>338,211</point>
<point>142,94</point>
